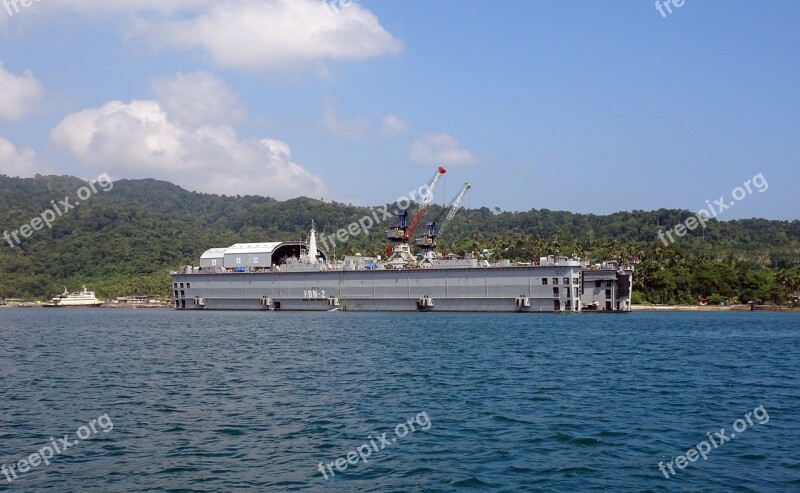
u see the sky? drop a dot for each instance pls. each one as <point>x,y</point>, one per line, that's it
<point>592,107</point>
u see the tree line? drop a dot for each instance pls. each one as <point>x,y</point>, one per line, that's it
<point>127,240</point>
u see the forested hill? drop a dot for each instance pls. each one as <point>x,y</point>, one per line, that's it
<point>125,239</point>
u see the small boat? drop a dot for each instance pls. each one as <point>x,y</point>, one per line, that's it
<point>81,298</point>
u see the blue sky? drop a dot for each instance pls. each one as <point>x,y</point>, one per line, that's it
<point>582,106</point>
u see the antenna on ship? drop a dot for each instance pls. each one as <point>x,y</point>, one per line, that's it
<point>312,245</point>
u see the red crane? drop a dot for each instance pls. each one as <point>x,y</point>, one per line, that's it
<point>425,200</point>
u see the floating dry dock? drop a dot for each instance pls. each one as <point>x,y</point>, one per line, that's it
<point>556,284</point>
<point>298,276</point>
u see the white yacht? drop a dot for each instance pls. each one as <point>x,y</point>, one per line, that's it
<point>82,298</point>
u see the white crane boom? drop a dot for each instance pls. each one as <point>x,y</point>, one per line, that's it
<point>456,204</point>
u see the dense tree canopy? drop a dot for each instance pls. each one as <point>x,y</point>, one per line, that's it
<point>125,240</point>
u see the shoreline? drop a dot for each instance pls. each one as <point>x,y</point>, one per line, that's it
<point>706,308</point>
<point>40,304</point>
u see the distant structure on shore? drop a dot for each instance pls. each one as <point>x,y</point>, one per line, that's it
<point>140,300</point>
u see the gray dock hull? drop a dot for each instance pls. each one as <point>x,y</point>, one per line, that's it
<point>482,289</point>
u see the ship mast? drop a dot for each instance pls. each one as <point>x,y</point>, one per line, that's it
<point>312,245</point>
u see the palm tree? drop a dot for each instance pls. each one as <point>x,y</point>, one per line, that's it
<point>555,245</point>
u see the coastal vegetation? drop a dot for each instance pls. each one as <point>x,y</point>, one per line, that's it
<point>125,241</point>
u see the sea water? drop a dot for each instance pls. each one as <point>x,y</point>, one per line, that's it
<point>158,400</point>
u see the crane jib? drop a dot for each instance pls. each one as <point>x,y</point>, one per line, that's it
<point>426,200</point>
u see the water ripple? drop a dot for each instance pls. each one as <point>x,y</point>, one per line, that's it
<point>204,402</point>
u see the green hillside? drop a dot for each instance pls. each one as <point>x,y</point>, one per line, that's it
<point>125,240</point>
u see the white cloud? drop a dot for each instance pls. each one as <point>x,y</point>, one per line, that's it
<point>440,149</point>
<point>158,6</point>
<point>19,162</point>
<point>352,129</point>
<point>18,94</point>
<point>139,140</point>
<point>198,98</point>
<point>249,34</point>
<point>272,34</point>
<point>392,125</point>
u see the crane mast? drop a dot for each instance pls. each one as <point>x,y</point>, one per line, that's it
<point>425,201</point>
<point>400,253</point>
<point>428,241</point>
<point>455,205</point>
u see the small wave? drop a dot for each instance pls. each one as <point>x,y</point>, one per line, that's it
<point>472,482</point>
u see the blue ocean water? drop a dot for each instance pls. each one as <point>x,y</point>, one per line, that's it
<point>206,402</point>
